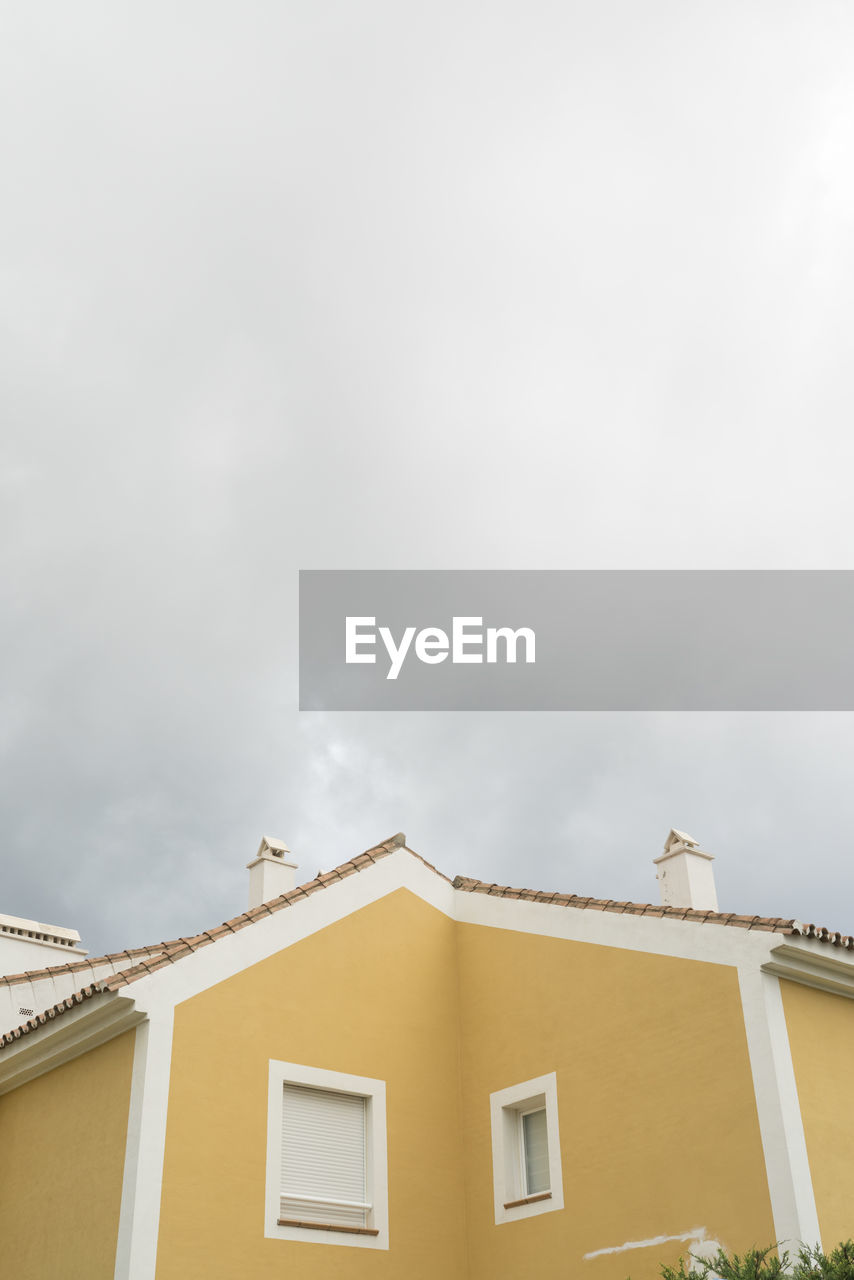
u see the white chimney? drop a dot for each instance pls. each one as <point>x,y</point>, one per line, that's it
<point>685,874</point>
<point>271,873</point>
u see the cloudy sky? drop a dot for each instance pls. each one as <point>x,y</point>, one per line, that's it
<point>386,285</point>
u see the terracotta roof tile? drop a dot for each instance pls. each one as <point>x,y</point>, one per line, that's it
<point>63,1006</point>
<point>77,966</point>
<point>184,946</point>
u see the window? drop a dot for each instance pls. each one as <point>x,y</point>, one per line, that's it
<point>326,1157</point>
<point>526,1150</point>
<point>323,1157</point>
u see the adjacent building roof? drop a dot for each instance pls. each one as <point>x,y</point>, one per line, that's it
<point>138,962</point>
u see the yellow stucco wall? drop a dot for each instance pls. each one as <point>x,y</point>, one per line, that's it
<point>373,995</point>
<point>659,1132</point>
<point>658,1124</point>
<point>62,1138</point>
<point>821,1035</point>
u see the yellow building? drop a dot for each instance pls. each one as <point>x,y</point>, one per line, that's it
<point>387,1074</point>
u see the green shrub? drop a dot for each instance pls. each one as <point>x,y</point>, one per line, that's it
<point>756,1264</point>
<point>812,1264</point>
<point>767,1264</point>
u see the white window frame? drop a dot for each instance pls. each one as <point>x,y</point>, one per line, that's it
<point>373,1091</point>
<point>507,1106</point>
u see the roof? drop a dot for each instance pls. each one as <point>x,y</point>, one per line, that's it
<point>766,924</point>
<point>145,960</point>
<point>130,957</point>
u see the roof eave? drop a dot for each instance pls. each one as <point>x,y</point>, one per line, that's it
<point>65,1032</point>
<point>811,963</point>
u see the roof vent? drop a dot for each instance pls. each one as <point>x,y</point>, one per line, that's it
<point>271,872</point>
<point>685,874</point>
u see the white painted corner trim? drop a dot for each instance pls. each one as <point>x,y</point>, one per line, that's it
<point>780,1123</point>
<point>139,1216</point>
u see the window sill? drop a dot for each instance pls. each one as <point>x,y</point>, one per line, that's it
<point>328,1226</point>
<point>514,1204</point>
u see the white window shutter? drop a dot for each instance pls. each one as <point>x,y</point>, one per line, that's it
<point>323,1157</point>
<point>535,1152</point>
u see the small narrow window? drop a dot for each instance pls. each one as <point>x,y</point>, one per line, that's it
<point>526,1164</point>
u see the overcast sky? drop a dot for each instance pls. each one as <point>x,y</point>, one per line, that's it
<point>395,285</point>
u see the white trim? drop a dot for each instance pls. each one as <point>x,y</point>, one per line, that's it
<point>233,953</point>
<point>714,943</point>
<point>505,1108</point>
<point>780,1122</point>
<point>139,1218</point>
<point>132,1144</point>
<point>689,940</point>
<point>282,1073</point>
<point>654,935</point>
<point>822,967</point>
<point>71,1033</point>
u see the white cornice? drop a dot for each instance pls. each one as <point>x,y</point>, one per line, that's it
<point>826,969</point>
<point>72,1033</point>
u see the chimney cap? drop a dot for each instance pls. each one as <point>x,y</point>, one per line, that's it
<point>676,836</point>
<point>278,848</point>
<point>679,843</point>
<point>271,872</point>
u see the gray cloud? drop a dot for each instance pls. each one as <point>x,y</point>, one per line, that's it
<point>391,286</point>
